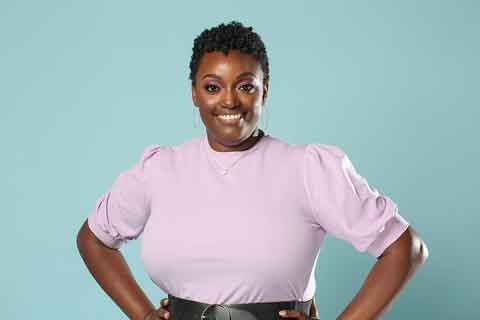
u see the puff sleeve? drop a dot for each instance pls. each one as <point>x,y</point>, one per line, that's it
<point>121,213</point>
<point>345,205</point>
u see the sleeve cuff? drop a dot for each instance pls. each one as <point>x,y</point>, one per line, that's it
<point>104,237</point>
<point>393,230</point>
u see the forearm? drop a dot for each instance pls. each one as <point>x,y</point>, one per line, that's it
<point>113,274</point>
<point>384,282</point>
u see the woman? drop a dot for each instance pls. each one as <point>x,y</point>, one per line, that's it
<point>233,222</point>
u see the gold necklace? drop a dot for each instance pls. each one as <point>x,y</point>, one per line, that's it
<point>223,171</point>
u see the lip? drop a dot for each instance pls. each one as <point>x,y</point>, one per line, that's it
<point>230,121</point>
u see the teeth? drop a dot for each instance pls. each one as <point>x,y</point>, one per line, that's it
<point>236,116</point>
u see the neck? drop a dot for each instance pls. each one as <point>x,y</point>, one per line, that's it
<point>244,145</point>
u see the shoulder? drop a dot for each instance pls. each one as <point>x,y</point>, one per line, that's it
<point>327,160</point>
<point>152,152</point>
<point>319,151</point>
<point>304,154</point>
<point>280,146</point>
<point>158,153</point>
<point>324,151</point>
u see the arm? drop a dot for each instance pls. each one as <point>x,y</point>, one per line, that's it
<point>398,263</point>
<point>112,273</point>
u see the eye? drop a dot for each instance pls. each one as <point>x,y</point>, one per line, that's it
<point>211,88</point>
<point>248,87</point>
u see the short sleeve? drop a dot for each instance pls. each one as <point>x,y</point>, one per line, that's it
<point>121,213</point>
<point>345,205</point>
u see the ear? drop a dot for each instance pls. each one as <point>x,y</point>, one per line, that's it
<point>265,92</point>
<point>194,96</point>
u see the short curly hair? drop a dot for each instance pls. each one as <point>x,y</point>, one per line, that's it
<point>225,37</point>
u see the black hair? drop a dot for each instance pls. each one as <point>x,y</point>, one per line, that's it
<point>225,37</point>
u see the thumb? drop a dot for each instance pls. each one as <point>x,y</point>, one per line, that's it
<point>164,302</point>
<point>152,315</point>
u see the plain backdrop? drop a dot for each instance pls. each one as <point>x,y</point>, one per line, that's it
<point>85,86</point>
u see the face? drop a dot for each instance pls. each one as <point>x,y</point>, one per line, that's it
<point>229,84</point>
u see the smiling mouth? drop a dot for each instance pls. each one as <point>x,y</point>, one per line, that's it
<point>234,119</point>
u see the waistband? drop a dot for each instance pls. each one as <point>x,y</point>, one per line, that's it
<point>184,309</point>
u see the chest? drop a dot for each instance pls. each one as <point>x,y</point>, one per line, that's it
<point>254,224</point>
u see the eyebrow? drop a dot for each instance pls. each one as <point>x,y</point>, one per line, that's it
<point>239,76</point>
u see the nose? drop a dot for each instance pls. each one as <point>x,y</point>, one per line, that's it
<point>230,99</point>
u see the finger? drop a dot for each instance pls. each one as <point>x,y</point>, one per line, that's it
<point>164,302</point>
<point>153,316</point>
<point>163,313</point>
<point>292,314</point>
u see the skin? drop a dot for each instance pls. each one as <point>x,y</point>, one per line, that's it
<point>393,269</point>
<point>164,312</point>
<point>239,86</point>
<point>112,273</point>
<point>228,84</point>
<point>220,89</point>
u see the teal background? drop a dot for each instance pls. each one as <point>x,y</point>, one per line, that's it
<point>86,85</point>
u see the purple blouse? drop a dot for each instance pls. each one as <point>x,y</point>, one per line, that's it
<point>251,233</point>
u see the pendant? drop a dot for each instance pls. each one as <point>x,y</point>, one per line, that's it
<point>224,172</point>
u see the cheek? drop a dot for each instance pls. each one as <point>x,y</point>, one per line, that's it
<point>207,109</point>
<point>254,113</point>
<point>251,100</point>
<point>208,102</point>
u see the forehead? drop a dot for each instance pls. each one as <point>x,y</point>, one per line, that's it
<point>230,65</point>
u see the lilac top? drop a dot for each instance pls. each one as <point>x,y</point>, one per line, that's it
<point>252,234</point>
